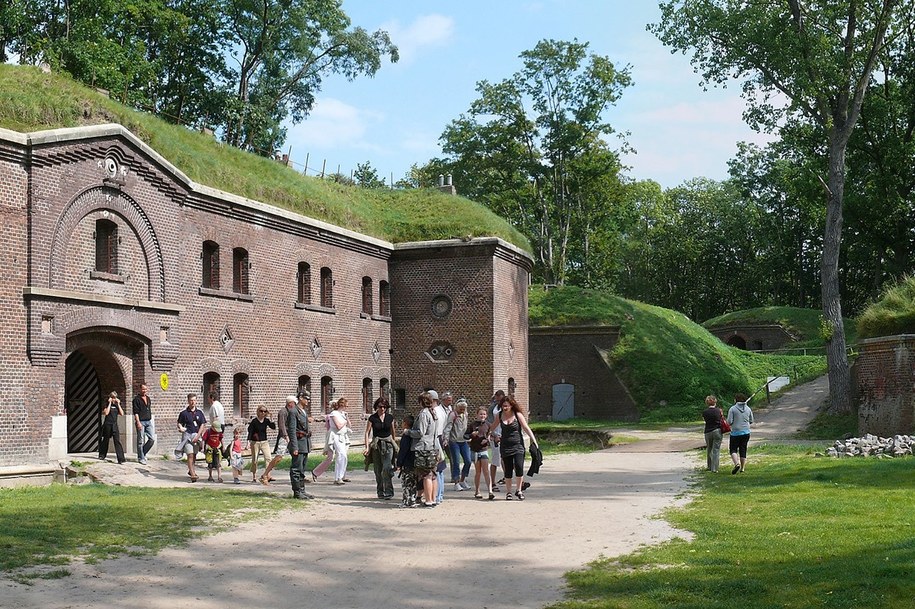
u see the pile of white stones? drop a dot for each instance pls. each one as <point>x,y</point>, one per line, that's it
<point>871,446</point>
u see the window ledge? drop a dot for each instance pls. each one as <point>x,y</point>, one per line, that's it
<point>225,294</point>
<point>384,318</point>
<point>112,277</point>
<point>364,315</point>
<point>316,308</point>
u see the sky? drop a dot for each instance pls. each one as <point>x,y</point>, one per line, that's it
<point>395,119</point>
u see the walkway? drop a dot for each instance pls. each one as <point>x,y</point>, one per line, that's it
<point>349,550</point>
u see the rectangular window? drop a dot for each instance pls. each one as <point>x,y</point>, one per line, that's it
<point>106,247</point>
<point>210,257</point>
<point>240,270</point>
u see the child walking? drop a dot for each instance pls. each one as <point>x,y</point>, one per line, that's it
<point>212,439</point>
<point>235,459</point>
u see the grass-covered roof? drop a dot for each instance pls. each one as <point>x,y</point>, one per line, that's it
<point>893,314</point>
<point>31,100</point>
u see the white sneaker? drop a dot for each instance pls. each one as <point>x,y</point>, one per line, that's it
<point>458,487</point>
<point>464,486</point>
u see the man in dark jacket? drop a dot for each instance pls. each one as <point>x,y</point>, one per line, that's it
<point>299,445</point>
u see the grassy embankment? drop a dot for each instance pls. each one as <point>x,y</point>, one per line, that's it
<point>668,363</point>
<point>893,314</point>
<point>794,531</point>
<point>31,101</point>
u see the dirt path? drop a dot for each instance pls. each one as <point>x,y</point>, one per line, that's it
<point>350,550</point>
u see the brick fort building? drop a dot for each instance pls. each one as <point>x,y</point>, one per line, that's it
<point>119,271</point>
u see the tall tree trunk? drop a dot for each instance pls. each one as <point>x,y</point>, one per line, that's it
<point>836,358</point>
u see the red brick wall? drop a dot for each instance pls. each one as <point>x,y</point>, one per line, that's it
<point>481,286</point>
<point>884,375</point>
<point>24,421</point>
<point>569,355</point>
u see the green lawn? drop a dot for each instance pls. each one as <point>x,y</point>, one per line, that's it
<point>793,531</point>
<point>49,525</point>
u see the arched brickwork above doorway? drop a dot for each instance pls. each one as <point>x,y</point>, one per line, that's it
<point>119,322</point>
<point>103,198</point>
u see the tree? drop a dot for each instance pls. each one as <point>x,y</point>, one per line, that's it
<point>284,48</point>
<point>820,56</point>
<point>367,176</point>
<point>532,146</point>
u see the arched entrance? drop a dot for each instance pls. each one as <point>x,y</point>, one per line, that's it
<point>100,361</point>
<point>738,341</point>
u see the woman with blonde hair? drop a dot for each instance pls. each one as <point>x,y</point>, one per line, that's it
<point>338,439</point>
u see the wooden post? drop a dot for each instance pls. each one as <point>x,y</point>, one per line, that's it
<point>305,171</point>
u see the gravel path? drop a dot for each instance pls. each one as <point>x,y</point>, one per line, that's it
<point>349,550</point>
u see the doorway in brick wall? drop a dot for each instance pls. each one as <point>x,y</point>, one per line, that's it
<point>97,364</point>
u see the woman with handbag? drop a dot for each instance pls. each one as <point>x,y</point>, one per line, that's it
<point>714,423</point>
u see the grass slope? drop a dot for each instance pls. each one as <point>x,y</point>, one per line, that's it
<point>31,101</point>
<point>794,531</point>
<point>893,314</point>
<point>668,363</point>
<point>803,323</point>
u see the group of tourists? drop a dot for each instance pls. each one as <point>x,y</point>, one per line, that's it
<point>417,450</point>
<point>493,437</point>
<point>736,423</point>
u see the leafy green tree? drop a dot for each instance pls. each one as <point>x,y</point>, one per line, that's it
<point>531,146</point>
<point>367,176</point>
<point>284,49</point>
<point>819,56</point>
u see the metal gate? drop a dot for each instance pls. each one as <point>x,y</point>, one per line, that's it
<point>563,401</point>
<point>83,398</point>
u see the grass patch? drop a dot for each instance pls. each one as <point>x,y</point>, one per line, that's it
<point>31,101</point>
<point>893,314</point>
<point>667,362</point>
<point>828,426</point>
<point>49,525</point>
<point>794,531</point>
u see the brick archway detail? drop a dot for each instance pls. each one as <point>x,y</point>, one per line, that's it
<point>113,200</point>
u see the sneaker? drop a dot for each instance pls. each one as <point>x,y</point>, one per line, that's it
<point>495,488</point>
<point>509,496</point>
<point>464,486</point>
<point>520,496</point>
<point>492,496</point>
<point>477,495</point>
<point>735,470</point>
<point>143,462</point>
<point>458,487</point>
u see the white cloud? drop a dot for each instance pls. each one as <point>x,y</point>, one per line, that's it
<point>333,124</point>
<point>426,31</point>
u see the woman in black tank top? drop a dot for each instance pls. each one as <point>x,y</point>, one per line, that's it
<point>511,446</point>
